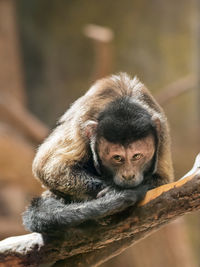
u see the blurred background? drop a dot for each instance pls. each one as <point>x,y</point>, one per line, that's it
<point>51,52</point>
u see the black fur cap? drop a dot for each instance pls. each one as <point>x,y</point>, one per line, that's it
<point>124,121</point>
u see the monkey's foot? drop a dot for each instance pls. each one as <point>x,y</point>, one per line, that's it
<point>195,168</point>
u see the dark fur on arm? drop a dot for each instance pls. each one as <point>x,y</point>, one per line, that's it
<point>73,181</point>
<point>47,214</point>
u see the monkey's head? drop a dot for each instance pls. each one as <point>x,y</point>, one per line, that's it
<point>124,142</point>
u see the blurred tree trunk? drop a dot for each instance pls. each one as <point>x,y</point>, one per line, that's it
<point>11,78</point>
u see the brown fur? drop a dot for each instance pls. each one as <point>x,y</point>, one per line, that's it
<point>68,145</point>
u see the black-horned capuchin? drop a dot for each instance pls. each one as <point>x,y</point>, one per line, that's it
<point>110,147</point>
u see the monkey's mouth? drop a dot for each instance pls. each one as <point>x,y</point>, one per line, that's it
<point>123,183</point>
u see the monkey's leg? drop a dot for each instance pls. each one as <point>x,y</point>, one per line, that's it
<point>195,167</point>
<point>50,214</point>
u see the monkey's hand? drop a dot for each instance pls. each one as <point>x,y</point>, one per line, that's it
<point>132,196</point>
<point>129,195</point>
<point>95,187</point>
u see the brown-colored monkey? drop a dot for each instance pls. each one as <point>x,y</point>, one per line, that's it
<point>109,148</point>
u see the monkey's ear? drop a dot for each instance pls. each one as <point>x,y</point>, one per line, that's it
<point>157,123</point>
<point>90,128</point>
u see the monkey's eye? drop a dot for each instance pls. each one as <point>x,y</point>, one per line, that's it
<point>117,158</point>
<point>137,157</point>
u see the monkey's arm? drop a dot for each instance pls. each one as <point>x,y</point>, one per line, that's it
<point>46,214</point>
<point>75,182</point>
<point>62,173</point>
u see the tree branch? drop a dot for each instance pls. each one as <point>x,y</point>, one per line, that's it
<point>175,89</point>
<point>95,242</point>
<point>102,39</point>
<point>11,110</point>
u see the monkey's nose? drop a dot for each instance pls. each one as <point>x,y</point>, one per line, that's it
<point>128,177</point>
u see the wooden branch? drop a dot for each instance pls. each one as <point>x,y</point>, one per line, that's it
<point>11,72</point>
<point>93,242</point>
<point>176,89</point>
<point>12,111</point>
<point>102,38</point>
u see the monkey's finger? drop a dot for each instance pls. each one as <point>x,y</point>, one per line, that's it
<point>103,192</point>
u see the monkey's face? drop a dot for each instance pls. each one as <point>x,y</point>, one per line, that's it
<point>126,164</point>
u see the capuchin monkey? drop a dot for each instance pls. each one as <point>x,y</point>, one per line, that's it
<point>110,147</point>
